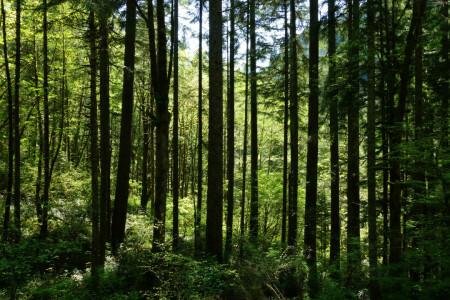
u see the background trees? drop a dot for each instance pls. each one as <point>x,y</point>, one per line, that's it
<point>348,112</point>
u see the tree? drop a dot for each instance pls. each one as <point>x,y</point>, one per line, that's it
<point>160,82</point>
<point>215,135</point>
<point>334,138</point>
<point>254,127</point>
<point>123,169</point>
<point>312,155</point>
<point>45,194</point>
<point>395,254</point>
<point>94,149</point>
<point>105,139</point>
<point>230,137</point>
<point>286,122</point>
<point>176,181</point>
<point>10,132</point>
<point>292,213</point>
<point>371,143</point>
<point>198,213</point>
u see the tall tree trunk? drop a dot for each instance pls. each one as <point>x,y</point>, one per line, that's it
<point>145,147</point>
<point>198,213</point>
<point>215,136</point>
<point>45,194</point>
<point>384,144</point>
<point>9,185</point>
<point>105,148</point>
<point>371,144</point>
<point>123,169</point>
<point>254,128</point>
<point>16,123</point>
<point>286,123</point>
<point>292,214</point>
<point>37,197</point>
<point>176,180</point>
<point>396,134</point>
<point>353,200</point>
<point>335,237</point>
<point>230,138</point>
<point>244,159</point>
<point>94,148</point>
<point>160,83</point>
<point>312,154</point>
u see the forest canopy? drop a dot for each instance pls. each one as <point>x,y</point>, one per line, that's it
<point>156,149</point>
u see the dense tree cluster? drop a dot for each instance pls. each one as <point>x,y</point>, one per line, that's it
<point>125,131</point>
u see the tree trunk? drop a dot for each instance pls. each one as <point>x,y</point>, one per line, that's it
<point>6,217</point>
<point>198,213</point>
<point>286,123</point>
<point>244,159</point>
<point>94,149</point>
<point>123,169</point>
<point>371,144</point>
<point>45,195</point>
<point>312,154</point>
<point>230,139</point>
<point>160,83</point>
<point>105,148</point>
<point>335,237</point>
<point>215,136</point>
<point>353,200</point>
<point>176,180</point>
<point>292,214</point>
<point>254,128</point>
<point>396,134</point>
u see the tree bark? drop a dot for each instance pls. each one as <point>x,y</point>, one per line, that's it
<point>45,195</point>
<point>215,136</point>
<point>371,158</point>
<point>286,123</point>
<point>9,184</point>
<point>176,180</point>
<point>230,138</point>
<point>353,200</point>
<point>292,213</point>
<point>396,134</point>
<point>312,154</point>
<point>123,169</point>
<point>335,237</point>
<point>198,213</point>
<point>245,142</point>
<point>94,148</point>
<point>254,128</point>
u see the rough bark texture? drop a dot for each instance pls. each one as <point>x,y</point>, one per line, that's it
<point>292,212</point>
<point>230,139</point>
<point>45,194</point>
<point>176,181</point>
<point>335,237</point>
<point>123,169</point>
<point>371,143</point>
<point>160,84</point>
<point>353,200</point>
<point>245,142</point>
<point>94,149</point>
<point>286,123</point>
<point>16,124</point>
<point>215,137</point>
<point>6,217</point>
<point>254,128</point>
<point>105,158</point>
<point>198,212</point>
<point>395,256</point>
<point>310,248</point>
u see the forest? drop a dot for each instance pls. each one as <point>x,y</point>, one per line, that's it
<point>194,149</point>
